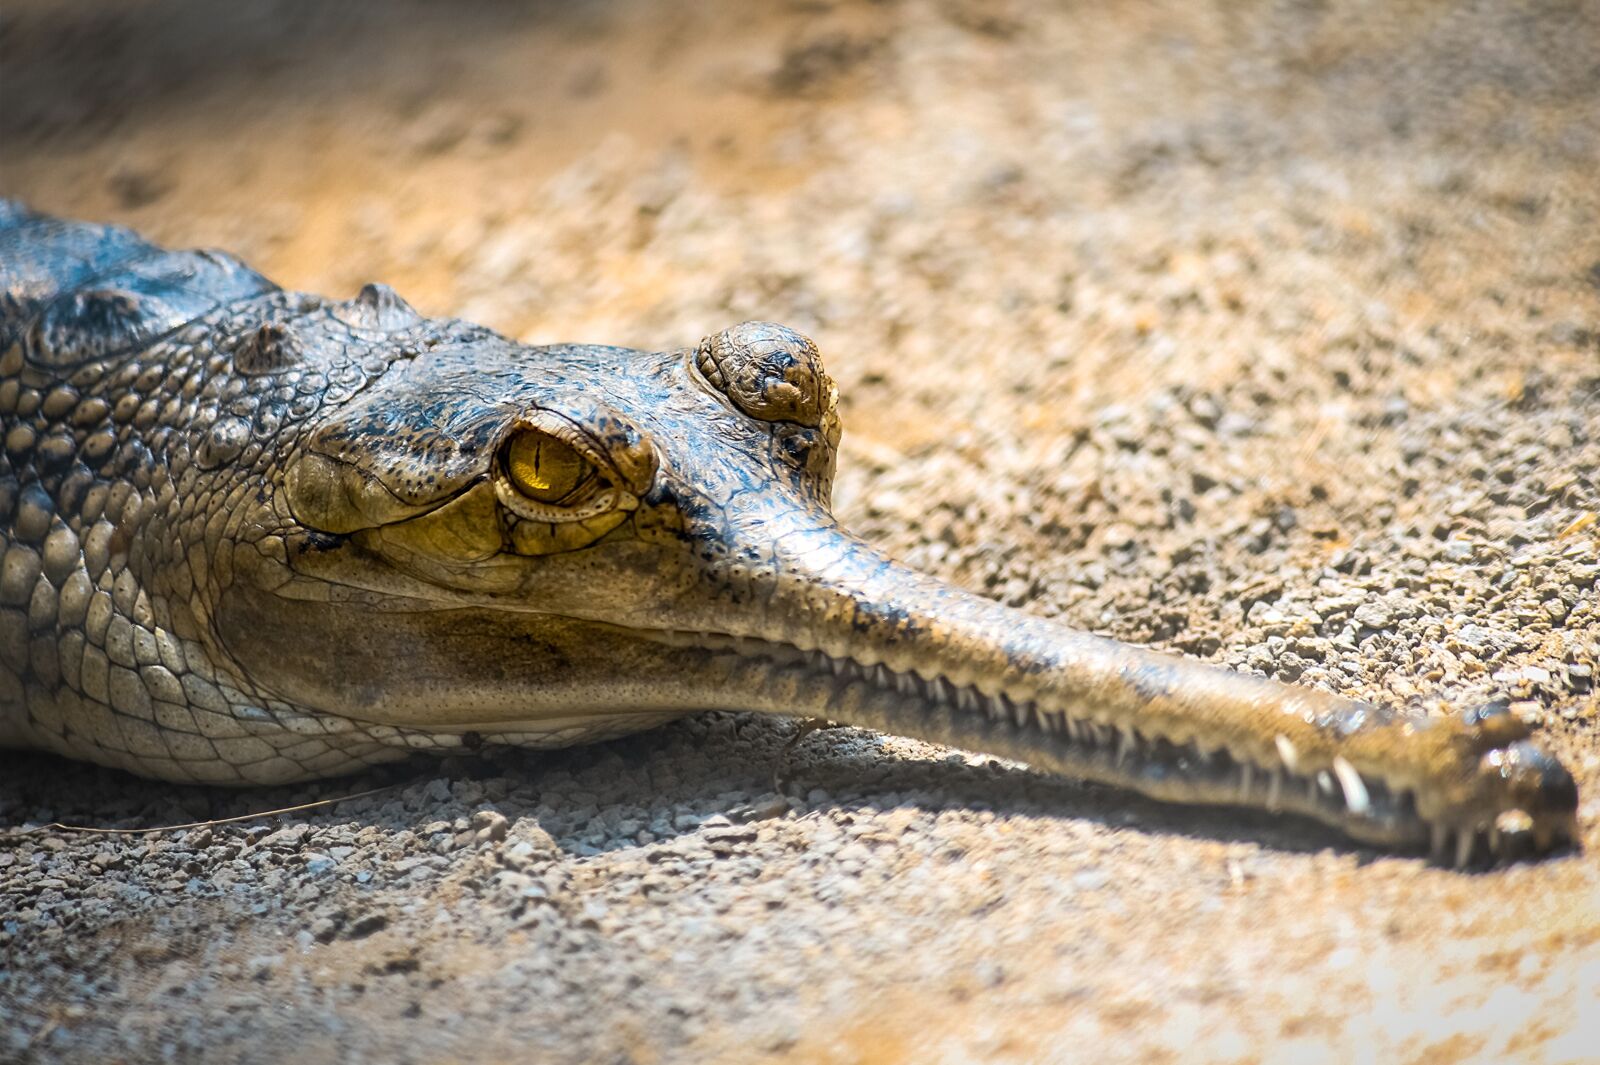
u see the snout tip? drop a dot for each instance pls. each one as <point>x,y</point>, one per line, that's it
<point>1537,773</point>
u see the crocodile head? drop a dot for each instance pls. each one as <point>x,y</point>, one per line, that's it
<point>567,542</point>
<point>500,540</point>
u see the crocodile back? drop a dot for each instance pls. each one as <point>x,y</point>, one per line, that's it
<point>86,401</point>
<point>146,398</point>
<point>73,292</point>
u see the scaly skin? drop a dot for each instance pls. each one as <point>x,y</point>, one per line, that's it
<point>252,536</point>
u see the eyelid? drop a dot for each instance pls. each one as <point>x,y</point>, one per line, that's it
<point>601,501</point>
<point>566,432</point>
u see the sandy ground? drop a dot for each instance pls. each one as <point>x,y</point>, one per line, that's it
<point>1267,332</point>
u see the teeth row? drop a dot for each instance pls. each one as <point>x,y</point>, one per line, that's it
<point>1340,790</point>
<point>1511,834</point>
<point>1124,745</point>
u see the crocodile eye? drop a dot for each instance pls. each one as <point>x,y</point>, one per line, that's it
<point>544,479</point>
<point>543,468</point>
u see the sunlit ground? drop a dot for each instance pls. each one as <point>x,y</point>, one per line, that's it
<point>1206,325</point>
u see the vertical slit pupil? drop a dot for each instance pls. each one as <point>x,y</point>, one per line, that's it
<point>542,467</point>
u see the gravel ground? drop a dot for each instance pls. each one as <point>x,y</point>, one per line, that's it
<point>1266,332</point>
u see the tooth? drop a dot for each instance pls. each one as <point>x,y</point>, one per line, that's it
<point>1246,772</point>
<point>1355,789</point>
<point>1325,781</point>
<point>1439,840</point>
<point>1464,847</point>
<point>1286,751</point>
<point>1125,743</point>
<point>1274,785</point>
<point>907,684</point>
<point>1511,829</point>
<point>880,676</point>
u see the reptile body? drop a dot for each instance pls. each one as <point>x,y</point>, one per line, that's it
<point>254,536</point>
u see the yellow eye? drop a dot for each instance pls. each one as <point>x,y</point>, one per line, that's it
<point>543,468</point>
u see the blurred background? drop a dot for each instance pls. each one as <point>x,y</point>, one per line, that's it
<point>1075,204</point>
<point>1265,331</point>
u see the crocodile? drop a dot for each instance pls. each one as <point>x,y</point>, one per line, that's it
<point>255,536</point>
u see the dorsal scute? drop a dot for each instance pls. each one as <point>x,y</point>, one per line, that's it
<point>378,308</point>
<point>268,348</point>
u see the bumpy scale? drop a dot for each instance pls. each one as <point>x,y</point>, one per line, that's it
<point>252,536</point>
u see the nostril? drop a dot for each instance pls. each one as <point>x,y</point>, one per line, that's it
<point>797,444</point>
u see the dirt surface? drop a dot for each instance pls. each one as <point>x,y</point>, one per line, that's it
<point>1266,332</point>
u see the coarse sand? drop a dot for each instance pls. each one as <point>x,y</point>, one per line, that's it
<point>1266,332</point>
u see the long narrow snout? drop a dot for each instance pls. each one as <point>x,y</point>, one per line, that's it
<point>828,626</point>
